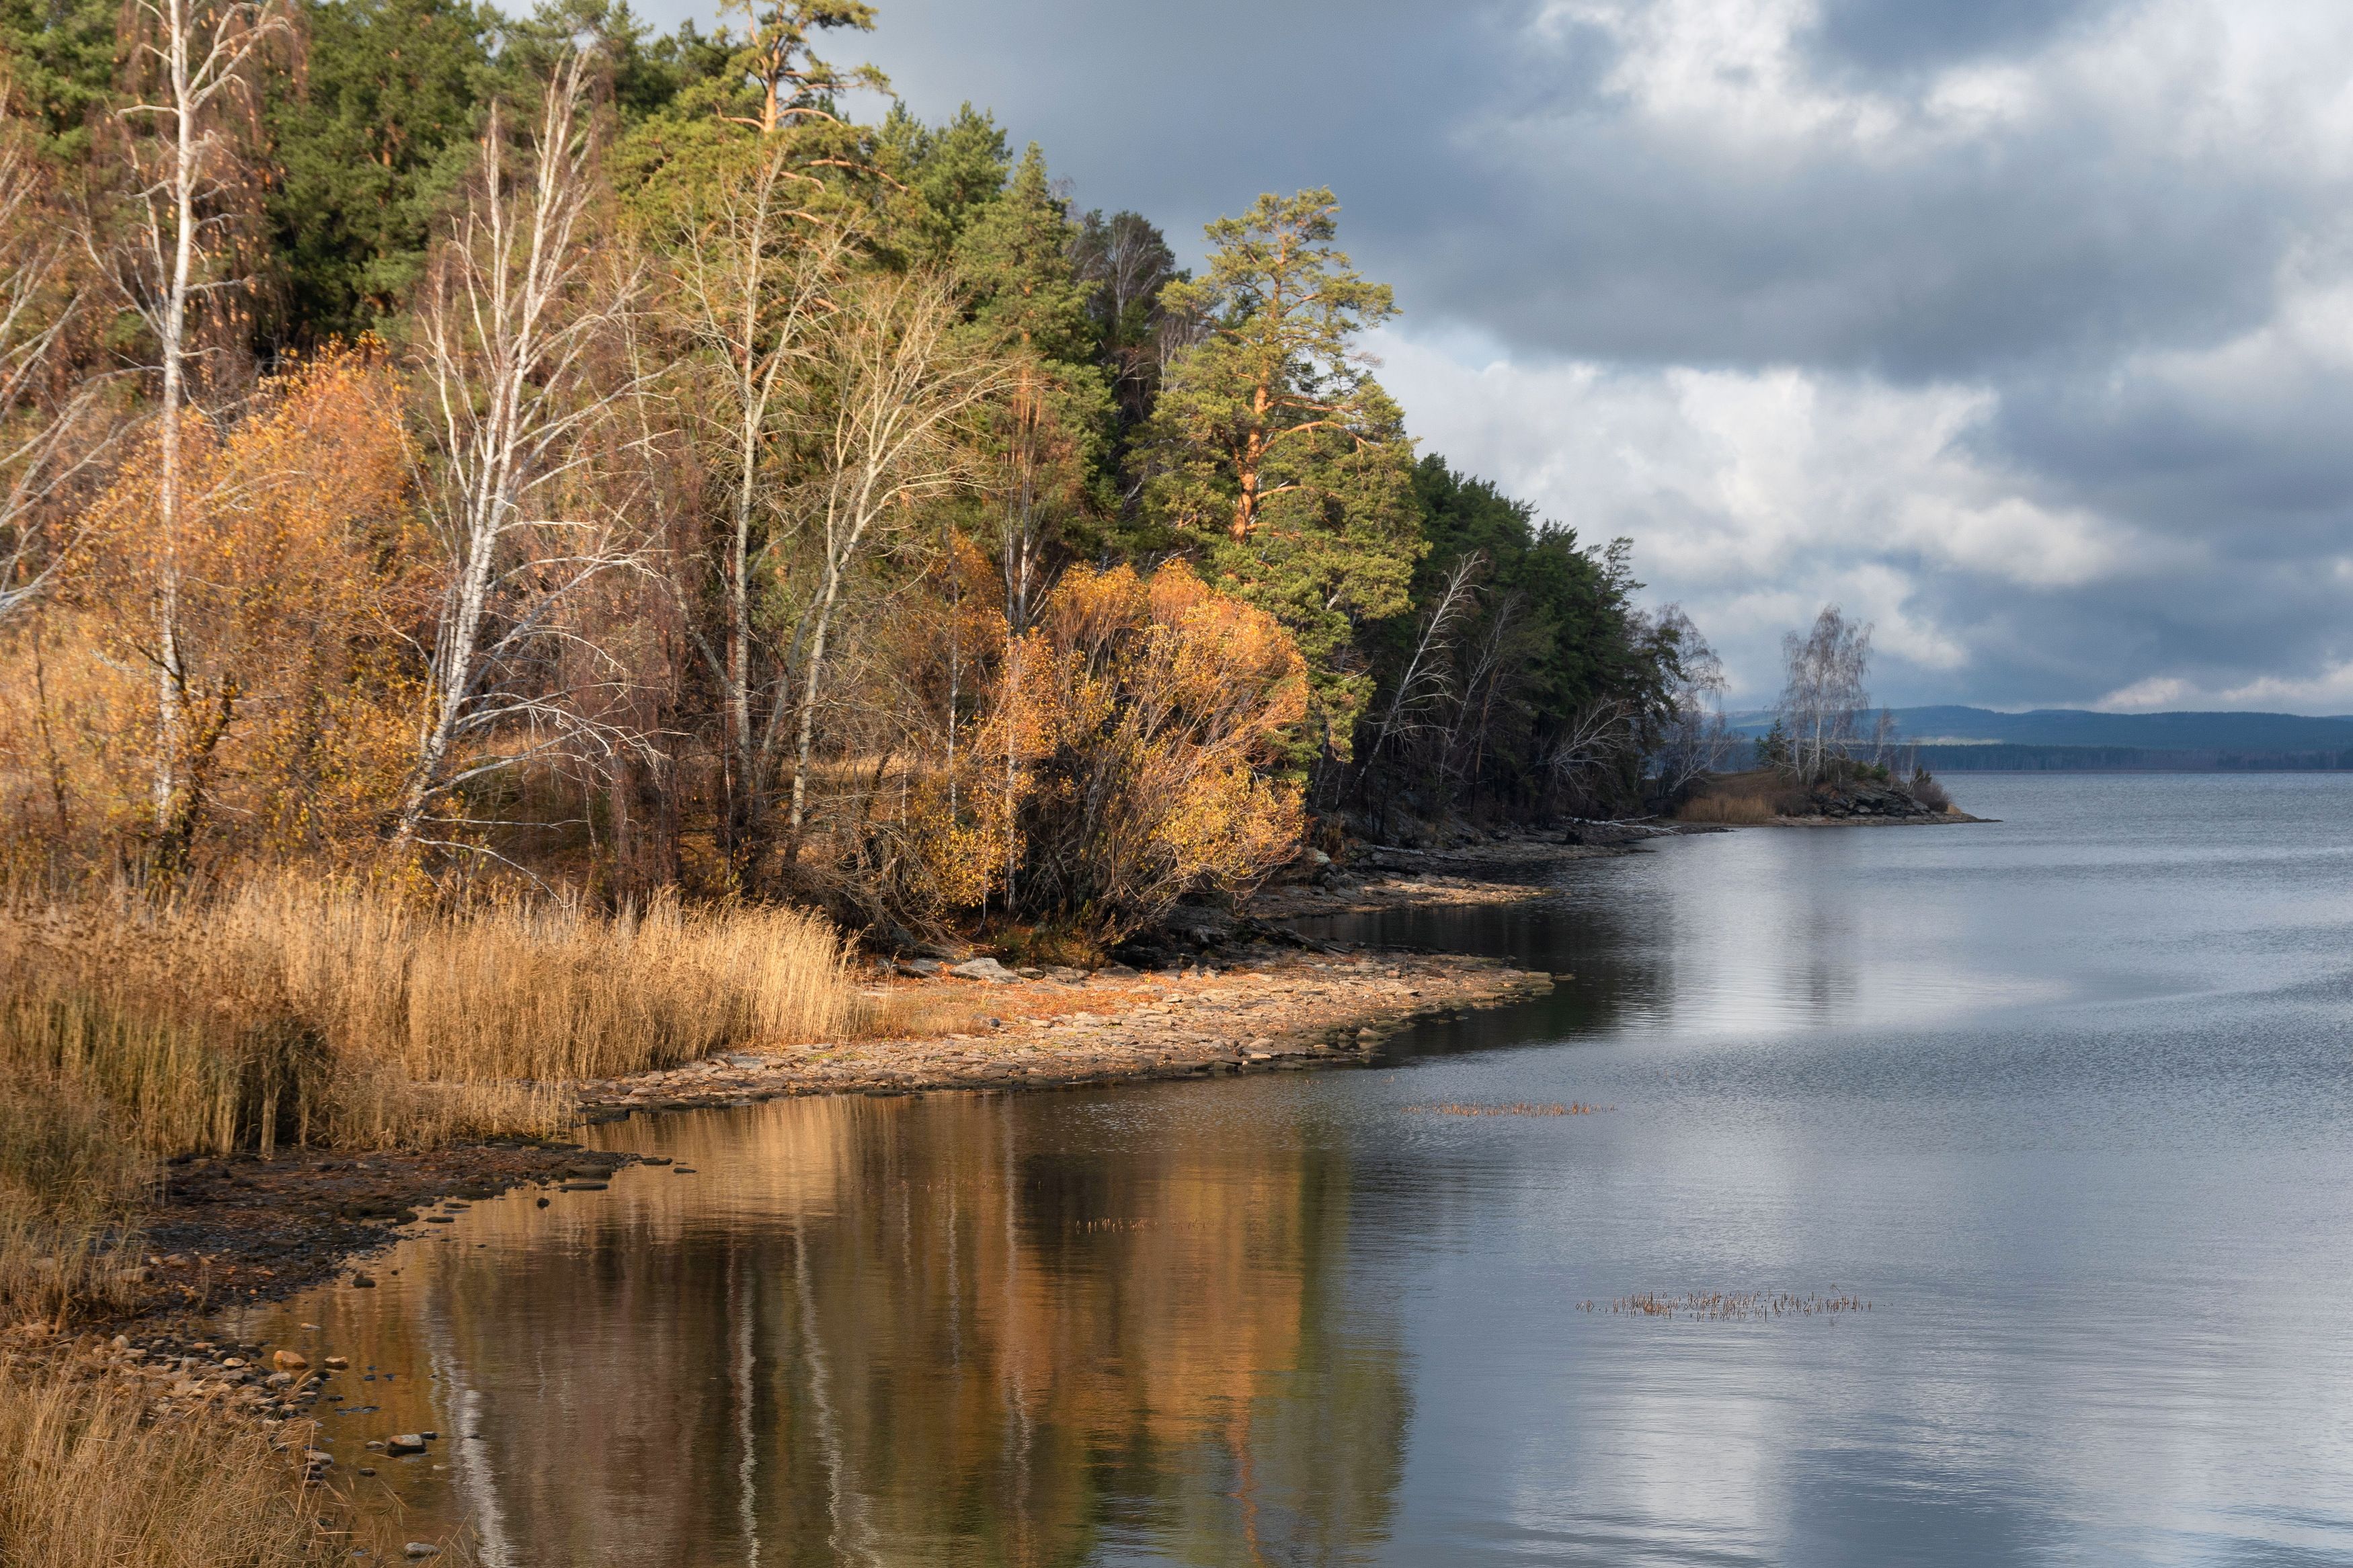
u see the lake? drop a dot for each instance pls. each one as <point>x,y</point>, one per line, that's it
<point>2058,1110</point>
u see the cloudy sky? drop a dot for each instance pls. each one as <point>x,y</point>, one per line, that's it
<point>2022,328</point>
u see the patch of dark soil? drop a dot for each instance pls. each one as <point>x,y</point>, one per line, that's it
<point>244,1228</point>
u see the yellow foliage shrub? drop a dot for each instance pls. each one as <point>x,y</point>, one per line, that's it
<point>302,583</point>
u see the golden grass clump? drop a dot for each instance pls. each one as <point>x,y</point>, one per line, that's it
<point>546,993</point>
<point>1739,811</point>
<point>294,1014</point>
<point>71,1186</point>
<point>89,1484</point>
<point>1751,799</point>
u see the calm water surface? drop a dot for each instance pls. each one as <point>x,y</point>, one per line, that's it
<point>2068,1099</point>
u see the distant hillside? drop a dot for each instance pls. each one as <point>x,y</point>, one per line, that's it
<point>1953,738</point>
<point>2079,727</point>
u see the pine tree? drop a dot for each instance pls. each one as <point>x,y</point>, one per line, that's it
<point>368,150</point>
<point>59,60</point>
<point>1275,455</point>
<point>777,59</point>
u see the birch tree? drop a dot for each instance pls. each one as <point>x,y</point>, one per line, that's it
<point>751,275</point>
<point>1824,693</point>
<point>894,428</point>
<point>49,439</point>
<point>199,55</point>
<point>1427,681</point>
<point>517,308</point>
<point>1693,740</point>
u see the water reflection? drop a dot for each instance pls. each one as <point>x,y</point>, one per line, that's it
<point>2069,1098</point>
<point>896,1331</point>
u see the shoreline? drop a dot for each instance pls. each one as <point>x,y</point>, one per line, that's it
<point>1505,869</point>
<point>238,1230</point>
<point>1934,819</point>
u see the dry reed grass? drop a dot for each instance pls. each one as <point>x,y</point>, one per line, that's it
<point>294,1013</point>
<point>1739,811</point>
<point>290,1013</point>
<point>88,1483</point>
<point>1752,799</point>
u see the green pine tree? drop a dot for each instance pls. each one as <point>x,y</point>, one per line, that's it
<point>1275,456</point>
<point>57,57</point>
<point>1045,440</point>
<point>367,151</point>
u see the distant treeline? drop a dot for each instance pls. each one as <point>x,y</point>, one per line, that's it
<point>2125,759</point>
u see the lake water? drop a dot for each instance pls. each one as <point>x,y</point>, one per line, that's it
<point>2067,1100</point>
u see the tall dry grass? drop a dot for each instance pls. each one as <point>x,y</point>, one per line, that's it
<point>286,1013</point>
<point>1745,811</point>
<point>1746,799</point>
<point>341,1016</point>
<point>88,1483</point>
<point>544,992</point>
<point>70,1189</point>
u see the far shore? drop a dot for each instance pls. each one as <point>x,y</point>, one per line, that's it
<point>1940,819</point>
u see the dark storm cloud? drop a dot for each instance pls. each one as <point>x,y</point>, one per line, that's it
<point>1904,36</point>
<point>1913,246</point>
<point>1488,167</point>
<point>2109,223</point>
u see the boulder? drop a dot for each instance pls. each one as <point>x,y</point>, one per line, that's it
<point>405,1443</point>
<point>984,969</point>
<point>290,1360</point>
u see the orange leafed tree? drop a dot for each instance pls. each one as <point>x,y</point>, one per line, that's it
<point>1155,707</point>
<point>301,590</point>
<point>1112,759</point>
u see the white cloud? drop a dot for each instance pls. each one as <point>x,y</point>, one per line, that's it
<point>1754,497</point>
<point>1727,70</point>
<point>2155,694</point>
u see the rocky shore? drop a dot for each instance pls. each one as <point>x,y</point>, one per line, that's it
<point>1499,868</point>
<point>1268,1014</point>
<point>1870,803</point>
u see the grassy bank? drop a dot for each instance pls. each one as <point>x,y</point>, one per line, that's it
<point>287,1014</point>
<point>90,1482</point>
<point>1763,796</point>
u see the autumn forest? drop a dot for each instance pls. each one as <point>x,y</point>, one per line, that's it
<point>550,454</point>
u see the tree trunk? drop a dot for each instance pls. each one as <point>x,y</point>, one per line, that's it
<point>171,672</point>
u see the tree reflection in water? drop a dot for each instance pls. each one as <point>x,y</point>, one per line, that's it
<point>952,1328</point>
